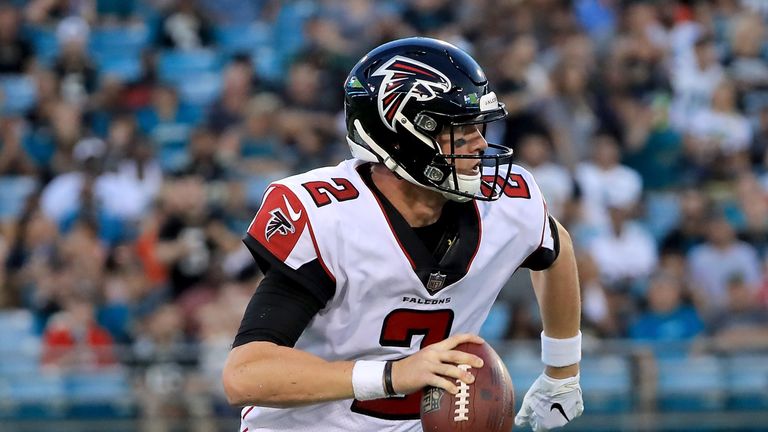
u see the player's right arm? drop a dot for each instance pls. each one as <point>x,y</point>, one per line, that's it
<point>264,369</point>
<point>266,374</point>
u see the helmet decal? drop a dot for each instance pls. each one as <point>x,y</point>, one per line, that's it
<point>399,71</point>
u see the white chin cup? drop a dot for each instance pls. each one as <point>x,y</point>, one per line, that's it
<point>469,184</point>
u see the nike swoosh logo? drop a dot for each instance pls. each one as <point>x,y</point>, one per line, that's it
<point>559,407</point>
<point>291,213</point>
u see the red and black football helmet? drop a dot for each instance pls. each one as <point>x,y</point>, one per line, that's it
<point>403,94</point>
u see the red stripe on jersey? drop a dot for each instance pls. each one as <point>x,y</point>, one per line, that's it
<point>319,255</point>
<point>479,235</point>
<point>248,411</point>
<point>544,227</point>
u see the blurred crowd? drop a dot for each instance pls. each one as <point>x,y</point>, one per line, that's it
<point>137,136</point>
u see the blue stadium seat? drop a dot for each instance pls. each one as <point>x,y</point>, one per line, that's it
<point>14,191</point>
<point>45,44</point>
<point>662,214</point>
<point>36,396</point>
<point>747,377</point>
<point>288,27</point>
<point>607,384</point>
<point>170,142</point>
<point>496,325</point>
<point>691,384</point>
<point>20,356</point>
<point>268,64</point>
<point>126,67</point>
<point>199,89</point>
<point>234,39</point>
<point>524,366</point>
<point>126,40</point>
<point>175,64</point>
<point>99,394</point>
<point>16,322</point>
<point>19,94</point>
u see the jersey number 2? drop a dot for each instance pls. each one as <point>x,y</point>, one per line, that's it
<point>342,190</point>
<point>399,328</point>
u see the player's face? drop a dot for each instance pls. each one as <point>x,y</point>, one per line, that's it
<point>467,139</point>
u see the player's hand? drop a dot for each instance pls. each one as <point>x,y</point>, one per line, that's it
<point>551,403</point>
<point>437,366</point>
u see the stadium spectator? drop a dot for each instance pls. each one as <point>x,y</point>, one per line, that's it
<point>427,15</point>
<point>604,178</point>
<point>259,142</point>
<point>74,341</point>
<point>721,259</point>
<point>164,109</point>
<point>690,231</point>
<point>743,323</point>
<point>77,74</point>
<point>570,112</point>
<point>16,53</point>
<point>14,160</point>
<point>30,248</point>
<point>749,209</point>
<point>204,158</point>
<point>111,199</point>
<point>598,315</point>
<point>534,152</point>
<point>667,317</point>
<point>42,12</point>
<point>184,26</point>
<point>693,82</point>
<point>186,242</point>
<point>719,132</point>
<point>624,251</point>
<point>229,109</point>
<point>746,63</point>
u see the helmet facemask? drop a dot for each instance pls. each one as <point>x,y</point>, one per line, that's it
<point>452,165</point>
<point>437,170</point>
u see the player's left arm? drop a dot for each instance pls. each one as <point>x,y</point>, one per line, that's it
<point>554,399</point>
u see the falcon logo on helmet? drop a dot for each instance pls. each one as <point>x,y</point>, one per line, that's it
<point>404,79</point>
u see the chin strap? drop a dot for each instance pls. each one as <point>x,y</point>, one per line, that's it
<point>467,183</point>
<point>374,153</point>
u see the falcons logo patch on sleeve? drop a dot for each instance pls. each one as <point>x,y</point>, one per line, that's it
<point>278,224</point>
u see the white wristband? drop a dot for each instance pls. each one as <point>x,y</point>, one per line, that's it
<point>560,352</point>
<point>368,380</point>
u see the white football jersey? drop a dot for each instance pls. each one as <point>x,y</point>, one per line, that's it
<point>389,295</point>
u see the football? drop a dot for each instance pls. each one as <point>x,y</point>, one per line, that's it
<point>486,405</point>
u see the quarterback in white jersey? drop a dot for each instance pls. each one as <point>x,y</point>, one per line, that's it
<point>377,268</point>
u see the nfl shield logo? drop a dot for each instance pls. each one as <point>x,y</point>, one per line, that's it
<point>435,282</point>
<point>431,399</point>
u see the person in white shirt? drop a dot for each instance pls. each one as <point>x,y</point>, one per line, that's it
<point>625,252</point>
<point>603,177</point>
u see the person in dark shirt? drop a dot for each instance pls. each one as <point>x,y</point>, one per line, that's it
<point>16,54</point>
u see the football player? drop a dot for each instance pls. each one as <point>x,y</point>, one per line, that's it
<point>377,268</point>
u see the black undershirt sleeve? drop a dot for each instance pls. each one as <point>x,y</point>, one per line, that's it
<point>279,311</point>
<point>543,258</point>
